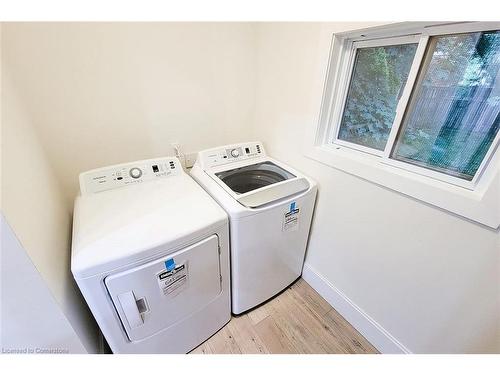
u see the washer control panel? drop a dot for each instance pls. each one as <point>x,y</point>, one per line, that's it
<point>127,174</point>
<point>230,154</point>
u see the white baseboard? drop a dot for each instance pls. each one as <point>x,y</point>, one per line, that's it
<point>369,328</point>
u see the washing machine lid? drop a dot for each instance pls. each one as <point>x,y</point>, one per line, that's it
<point>254,176</point>
<point>253,179</point>
<point>119,226</point>
<point>261,183</point>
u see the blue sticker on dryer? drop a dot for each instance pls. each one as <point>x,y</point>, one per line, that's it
<point>173,281</point>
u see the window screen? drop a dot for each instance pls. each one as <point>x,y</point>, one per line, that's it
<point>453,116</point>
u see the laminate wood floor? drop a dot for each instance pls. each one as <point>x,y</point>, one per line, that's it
<point>298,320</point>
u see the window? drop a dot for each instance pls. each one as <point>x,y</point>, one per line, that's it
<point>453,115</point>
<point>377,82</point>
<point>427,102</point>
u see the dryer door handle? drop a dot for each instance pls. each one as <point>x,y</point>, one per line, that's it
<point>130,309</point>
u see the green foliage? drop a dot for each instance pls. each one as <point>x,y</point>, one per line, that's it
<point>456,112</point>
<point>378,79</point>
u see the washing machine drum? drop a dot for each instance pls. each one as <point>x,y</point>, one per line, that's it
<point>251,177</point>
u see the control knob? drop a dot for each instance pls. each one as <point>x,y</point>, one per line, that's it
<point>135,172</point>
<point>235,153</point>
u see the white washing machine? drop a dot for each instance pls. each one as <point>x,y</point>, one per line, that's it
<point>150,254</point>
<point>270,207</point>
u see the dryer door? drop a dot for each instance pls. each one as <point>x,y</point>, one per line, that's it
<point>151,297</point>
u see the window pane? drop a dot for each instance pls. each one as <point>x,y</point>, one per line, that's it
<point>377,82</point>
<point>454,112</point>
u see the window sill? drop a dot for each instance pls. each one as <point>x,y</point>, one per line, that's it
<point>481,205</point>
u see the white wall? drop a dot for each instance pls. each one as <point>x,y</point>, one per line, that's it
<point>99,94</point>
<point>105,93</point>
<point>77,96</point>
<point>34,207</point>
<point>31,320</point>
<point>429,278</point>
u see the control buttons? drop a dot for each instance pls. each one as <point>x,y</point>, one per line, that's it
<point>235,153</point>
<point>135,172</point>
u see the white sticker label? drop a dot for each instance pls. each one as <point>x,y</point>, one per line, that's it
<point>291,220</point>
<point>172,282</point>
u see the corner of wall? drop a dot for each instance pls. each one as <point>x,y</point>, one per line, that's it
<point>34,206</point>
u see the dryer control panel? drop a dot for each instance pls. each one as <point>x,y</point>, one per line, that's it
<point>230,154</point>
<point>128,174</point>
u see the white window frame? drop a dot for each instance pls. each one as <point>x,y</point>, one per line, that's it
<point>446,191</point>
<point>422,39</point>
<point>345,81</point>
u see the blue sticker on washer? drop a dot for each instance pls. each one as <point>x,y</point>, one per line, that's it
<point>170,264</point>
<point>291,218</point>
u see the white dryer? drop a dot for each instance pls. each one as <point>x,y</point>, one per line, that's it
<point>270,207</point>
<point>150,254</point>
